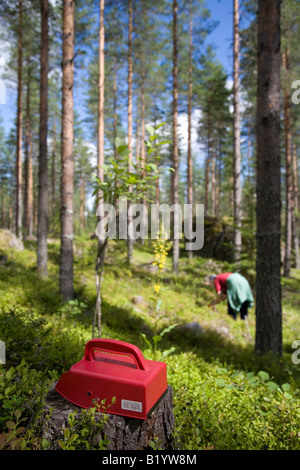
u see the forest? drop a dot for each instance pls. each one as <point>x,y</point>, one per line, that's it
<point>106,102</point>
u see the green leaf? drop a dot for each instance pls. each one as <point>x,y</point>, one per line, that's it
<point>118,142</point>
<point>286,387</point>
<point>146,340</point>
<point>167,352</point>
<point>159,125</point>
<point>164,142</point>
<point>151,166</point>
<point>263,375</point>
<point>220,382</point>
<point>150,129</point>
<point>10,424</point>
<point>272,386</point>
<point>156,339</point>
<point>125,153</point>
<point>168,329</point>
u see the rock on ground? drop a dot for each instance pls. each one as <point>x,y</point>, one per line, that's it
<point>9,240</point>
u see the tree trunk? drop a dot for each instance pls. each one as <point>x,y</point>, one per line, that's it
<point>143,152</point>
<point>236,141</point>
<point>100,173</point>
<point>288,172</point>
<point>66,252</point>
<point>207,162</point>
<point>129,240</point>
<point>82,201</point>
<point>42,250</point>
<point>123,434</point>
<point>296,207</point>
<point>53,173</point>
<point>268,286</point>
<point>18,204</point>
<point>190,97</point>
<point>115,108</point>
<point>213,178</point>
<point>175,177</point>
<point>98,276</point>
<point>28,199</point>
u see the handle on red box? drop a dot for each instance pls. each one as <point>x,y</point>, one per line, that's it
<point>115,347</point>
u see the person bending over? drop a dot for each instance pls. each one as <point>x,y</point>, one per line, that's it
<point>236,289</point>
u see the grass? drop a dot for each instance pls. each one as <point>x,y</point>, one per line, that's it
<point>204,370</point>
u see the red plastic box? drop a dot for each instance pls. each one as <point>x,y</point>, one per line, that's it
<point>112,368</point>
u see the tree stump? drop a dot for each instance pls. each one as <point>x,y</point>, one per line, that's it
<point>122,433</point>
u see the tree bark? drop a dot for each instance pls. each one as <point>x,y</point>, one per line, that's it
<point>66,252</point>
<point>190,97</point>
<point>295,207</point>
<point>237,141</point>
<point>288,172</point>
<point>128,434</point>
<point>28,199</point>
<point>115,108</point>
<point>18,202</point>
<point>53,172</point>
<point>100,173</point>
<point>129,240</point>
<point>42,250</point>
<point>82,201</point>
<point>175,176</point>
<point>143,152</point>
<point>268,286</point>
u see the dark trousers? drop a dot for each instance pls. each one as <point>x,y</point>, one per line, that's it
<point>243,310</point>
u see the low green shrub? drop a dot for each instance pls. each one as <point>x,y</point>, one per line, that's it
<point>223,409</point>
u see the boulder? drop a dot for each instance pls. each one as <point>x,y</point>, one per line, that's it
<point>9,241</point>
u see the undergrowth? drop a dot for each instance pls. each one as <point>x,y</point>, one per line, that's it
<point>225,397</point>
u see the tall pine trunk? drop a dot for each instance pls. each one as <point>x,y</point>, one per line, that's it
<point>53,173</point>
<point>28,196</point>
<point>268,286</point>
<point>189,153</point>
<point>288,172</point>
<point>175,176</point>
<point>143,152</point>
<point>129,239</point>
<point>18,194</point>
<point>236,141</point>
<point>101,94</point>
<point>42,251</point>
<point>100,171</point>
<point>67,160</point>
<point>115,88</point>
<point>295,207</point>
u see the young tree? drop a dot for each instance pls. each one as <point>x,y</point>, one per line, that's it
<point>42,251</point>
<point>67,169</point>
<point>268,285</point>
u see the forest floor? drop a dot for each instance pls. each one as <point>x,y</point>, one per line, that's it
<point>225,397</point>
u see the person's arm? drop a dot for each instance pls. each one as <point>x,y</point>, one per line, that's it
<point>220,297</point>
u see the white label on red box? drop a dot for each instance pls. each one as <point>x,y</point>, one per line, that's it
<point>132,405</point>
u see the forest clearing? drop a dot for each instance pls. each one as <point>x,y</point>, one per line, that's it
<point>110,102</point>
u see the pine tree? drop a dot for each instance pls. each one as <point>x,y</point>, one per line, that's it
<point>268,285</point>
<point>66,252</point>
<point>42,251</point>
<point>237,139</point>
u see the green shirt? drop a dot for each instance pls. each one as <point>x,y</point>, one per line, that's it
<point>238,291</point>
